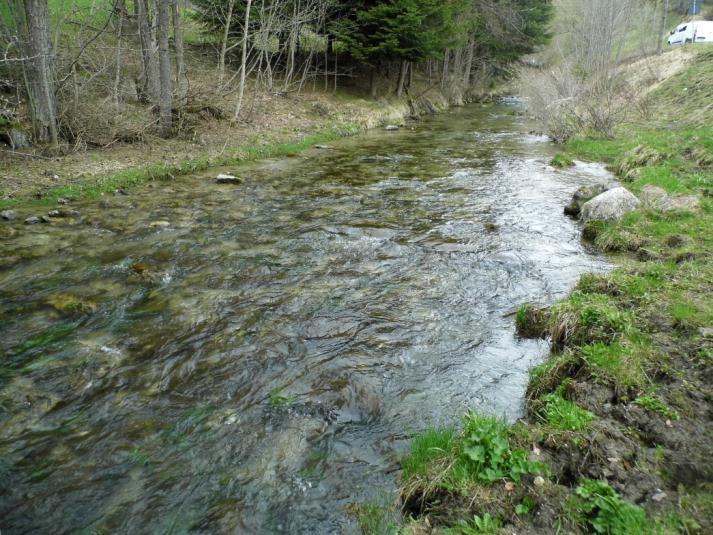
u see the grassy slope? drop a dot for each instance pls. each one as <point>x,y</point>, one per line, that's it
<point>620,413</point>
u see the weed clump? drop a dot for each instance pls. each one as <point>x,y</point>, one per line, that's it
<point>478,525</point>
<point>457,465</point>
<point>531,321</point>
<point>638,157</point>
<point>564,415</point>
<point>598,508</point>
<point>585,318</point>
<point>654,404</point>
<point>561,161</point>
<point>548,376</point>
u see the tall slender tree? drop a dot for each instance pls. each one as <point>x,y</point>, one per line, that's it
<point>148,54</point>
<point>164,58</point>
<point>38,68</point>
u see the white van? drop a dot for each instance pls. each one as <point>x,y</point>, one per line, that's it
<point>700,31</point>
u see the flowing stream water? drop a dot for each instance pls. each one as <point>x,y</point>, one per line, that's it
<point>254,358</point>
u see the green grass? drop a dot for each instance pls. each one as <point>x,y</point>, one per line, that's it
<point>585,317</point>
<point>480,455</point>
<point>478,525</point>
<point>375,518</point>
<point>561,161</point>
<point>95,187</point>
<point>654,404</point>
<point>598,508</point>
<point>426,448</point>
<point>278,399</point>
<point>564,415</point>
<point>619,364</point>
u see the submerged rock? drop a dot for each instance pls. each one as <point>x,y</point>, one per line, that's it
<point>71,304</point>
<point>32,220</point>
<point>228,179</point>
<point>8,215</point>
<point>63,213</point>
<point>611,205</point>
<point>581,196</point>
<point>322,147</point>
<point>391,127</point>
<point>160,224</point>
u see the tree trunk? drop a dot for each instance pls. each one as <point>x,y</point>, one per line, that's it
<point>664,16</point>
<point>444,73</point>
<point>181,80</point>
<point>469,64</point>
<point>150,75</point>
<point>372,83</point>
<point>38,73</point>
<point>224,44</point>
<point>121,10</point>
<point>403,71</point>
<point>164,58</point>
<point>243,61</point>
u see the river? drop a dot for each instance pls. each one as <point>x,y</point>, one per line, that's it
<point>254,358</point>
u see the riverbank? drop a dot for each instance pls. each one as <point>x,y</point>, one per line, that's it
<point>617,437</point>
<point>278,126</point>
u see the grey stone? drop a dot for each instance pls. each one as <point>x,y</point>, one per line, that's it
<point>684,202</point>
<point>656,198</point>
<point>32,220</point>
<point>63,213</point>
<point>391,127</point>
<point>18,139</point>
<point>8,215</point>
<point>228,179</point>
<point>322,147</point>
<point>581,196</point>
<point>653,196</point>
<point>659,496</point>
<point>611,205</point>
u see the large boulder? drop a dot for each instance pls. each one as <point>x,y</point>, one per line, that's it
<point>611,205</point>
<point>581,196</point>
